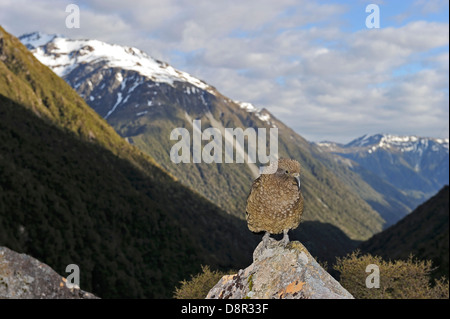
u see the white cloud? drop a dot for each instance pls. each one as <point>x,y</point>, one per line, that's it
<point>289,56</point>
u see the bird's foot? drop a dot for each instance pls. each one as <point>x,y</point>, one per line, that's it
<point>266,239</point>
<point>285,239</point>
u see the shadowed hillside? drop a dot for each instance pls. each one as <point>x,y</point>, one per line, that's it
<point>423,233</point>
<point>145,100</point>
<point>73,191</point>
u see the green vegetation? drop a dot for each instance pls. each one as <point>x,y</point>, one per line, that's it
<point>400,279</point>
<point>73,191</point>
<point>423,233</point>
<point>250,282</point>
<point>199,285</point>
<point>327,198</point>
<point>335,218</point>
<point>65,201</point>
<point>225,185</point>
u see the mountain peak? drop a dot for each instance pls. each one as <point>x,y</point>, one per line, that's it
<point>36,39</point>
<point>363,140</point>
<point>63,55</point>
<point>262,114</point>
<point>403,143</point>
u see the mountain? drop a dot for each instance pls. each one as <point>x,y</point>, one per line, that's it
<point>145,100</point>
<point>416,165</point>
<point>423,233</point>
<point>73,191</point>
<point>407,170</point>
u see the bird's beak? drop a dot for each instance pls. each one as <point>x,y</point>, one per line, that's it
<point>297,178</point>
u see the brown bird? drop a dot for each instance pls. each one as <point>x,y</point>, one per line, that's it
<point>275,202</point>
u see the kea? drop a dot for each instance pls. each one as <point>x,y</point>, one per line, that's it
<point>275,202</point>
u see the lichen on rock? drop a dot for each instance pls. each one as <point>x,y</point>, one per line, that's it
<point>24,277</point>
<point>279,272</point>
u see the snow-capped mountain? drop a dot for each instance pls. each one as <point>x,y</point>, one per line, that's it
<point>64,55</point>
<point>393,143</point>
<point>412,144</point>
<point>417,165</point>
<point>144,100</point>
<point>74,60</point>
<point>136,93</point>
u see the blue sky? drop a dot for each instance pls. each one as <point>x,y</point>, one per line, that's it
<point>394,13</point>
<point>313,64</point>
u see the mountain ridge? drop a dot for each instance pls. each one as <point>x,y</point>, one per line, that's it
<point>128,58</point>
<point>423,233</point>
<point>417,166</point>
<point>403,143</point>
<point>142,109</point>
<point>74,191</point>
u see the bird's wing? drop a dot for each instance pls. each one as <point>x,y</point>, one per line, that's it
<point>255,185</point>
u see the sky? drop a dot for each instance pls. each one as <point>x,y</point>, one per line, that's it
<point>315,65</point>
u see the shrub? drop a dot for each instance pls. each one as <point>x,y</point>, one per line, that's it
<point>399,279</point>
<point>200,284</point>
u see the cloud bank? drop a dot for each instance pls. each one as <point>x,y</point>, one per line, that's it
<point>314,65</point>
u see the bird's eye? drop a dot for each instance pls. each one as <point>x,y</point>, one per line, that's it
<point>287,172</point>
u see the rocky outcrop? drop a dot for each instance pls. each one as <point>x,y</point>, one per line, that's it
<point>279,272</point>
<point>24,277</point>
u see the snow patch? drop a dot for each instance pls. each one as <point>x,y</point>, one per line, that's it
<point>119,99</point>
<point>253,109</point>
<point>247,106</point>
<point>264,117</point>
<point>119,78</point>
<point>37,39</point>
<point>141,113</point>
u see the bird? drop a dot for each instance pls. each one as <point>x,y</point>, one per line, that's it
<point>275,200</point>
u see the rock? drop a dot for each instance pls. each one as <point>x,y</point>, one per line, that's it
<point>279,272</point>
<point>24,277</point>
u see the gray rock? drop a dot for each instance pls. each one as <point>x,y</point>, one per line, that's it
<point>24,277</point>
<point>279,272</point>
